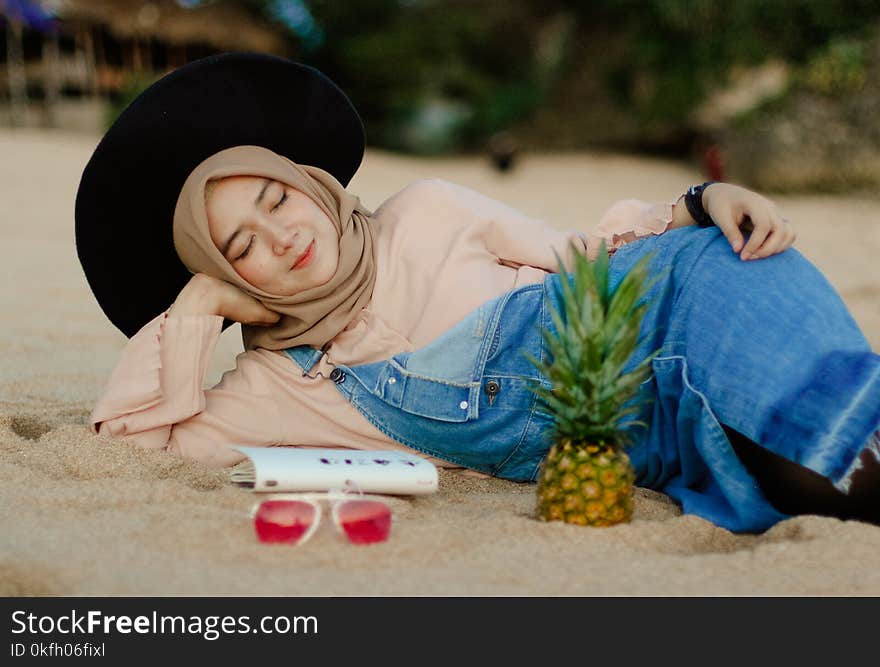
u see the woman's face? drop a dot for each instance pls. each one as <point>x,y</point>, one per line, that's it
<point>275,237</point>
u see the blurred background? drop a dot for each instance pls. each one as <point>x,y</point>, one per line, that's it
<point>782,95</point>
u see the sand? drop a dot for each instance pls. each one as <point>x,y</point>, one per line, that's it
<point>89,515</point>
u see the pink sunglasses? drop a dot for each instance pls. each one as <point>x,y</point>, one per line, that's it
<point>293,518</point>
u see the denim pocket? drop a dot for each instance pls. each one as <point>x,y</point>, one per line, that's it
<point>425,396</point>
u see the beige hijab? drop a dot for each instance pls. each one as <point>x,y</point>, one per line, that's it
<point>314,316</point>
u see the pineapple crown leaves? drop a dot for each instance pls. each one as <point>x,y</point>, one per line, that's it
<point>596,331</point>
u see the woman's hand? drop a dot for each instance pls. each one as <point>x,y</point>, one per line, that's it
<point>204,295</point>
<point>733,207</point>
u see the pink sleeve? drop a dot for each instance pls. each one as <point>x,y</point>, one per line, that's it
<point>515,238</point>
<point>628,220</point>
<point>157,380</point>
<point>154,396</point>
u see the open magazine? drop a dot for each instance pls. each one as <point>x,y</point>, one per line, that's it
<point>371,471</point>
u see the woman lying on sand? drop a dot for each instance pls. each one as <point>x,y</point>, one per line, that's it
<point>361,328</point>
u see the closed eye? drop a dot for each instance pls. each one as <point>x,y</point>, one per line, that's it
<point>246,250</point>
<point>280,202</point>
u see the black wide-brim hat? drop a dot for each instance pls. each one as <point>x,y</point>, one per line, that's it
<point>129,188</point>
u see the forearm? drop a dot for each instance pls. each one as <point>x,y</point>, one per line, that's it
<point>681,217</point>
<point>198,297</point>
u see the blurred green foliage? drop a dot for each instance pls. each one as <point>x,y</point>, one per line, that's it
<point>394,58</point>
<point>685,47</point>
<point>469,69</point>
<point>839,69</point>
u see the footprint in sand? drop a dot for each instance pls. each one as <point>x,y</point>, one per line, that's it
<point>29,427</point>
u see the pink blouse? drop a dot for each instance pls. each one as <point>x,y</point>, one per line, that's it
<point>442,250</point>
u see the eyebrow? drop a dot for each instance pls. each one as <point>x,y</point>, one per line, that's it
<point>257,202</point>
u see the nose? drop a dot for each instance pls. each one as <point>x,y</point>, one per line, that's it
<point>283,238</point>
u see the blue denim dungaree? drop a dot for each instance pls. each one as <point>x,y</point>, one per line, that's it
<point>436,399</point>
<point>766,347</point>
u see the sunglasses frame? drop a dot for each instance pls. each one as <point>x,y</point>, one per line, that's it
<point>337,498</point>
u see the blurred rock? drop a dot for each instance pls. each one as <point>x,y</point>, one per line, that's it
<point>822,135</point>
<point>748,88</point>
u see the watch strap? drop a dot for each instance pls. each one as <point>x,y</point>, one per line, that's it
<point>693,201</point>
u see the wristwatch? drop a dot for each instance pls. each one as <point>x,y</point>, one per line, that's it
<point>693,200</point>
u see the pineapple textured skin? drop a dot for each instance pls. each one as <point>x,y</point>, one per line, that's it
<point>586,484</point>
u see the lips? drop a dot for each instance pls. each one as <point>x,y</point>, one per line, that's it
<point>305,257</point>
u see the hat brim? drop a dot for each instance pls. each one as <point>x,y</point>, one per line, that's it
<point>129,188</point>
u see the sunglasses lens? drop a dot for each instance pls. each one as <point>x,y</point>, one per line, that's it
<point>364,521</point>
<point>283,520</point>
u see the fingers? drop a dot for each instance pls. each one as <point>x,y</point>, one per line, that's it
<point>772,245</point>
<point>763,226</point>
<point>787,234</point>
<point>261,316</point>
<point>736,210</point>
<point>725,221</point>
<point>781,238</point>
<point>244,308</point>
<point>772,234</point>
<point>265,322</point>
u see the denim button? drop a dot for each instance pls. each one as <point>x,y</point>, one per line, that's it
<point>337,376</point>
<point>492,389</point>
<point>463,405</point>
<point>392,380</point>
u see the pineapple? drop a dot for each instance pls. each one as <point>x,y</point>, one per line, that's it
<point>587,478</point>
